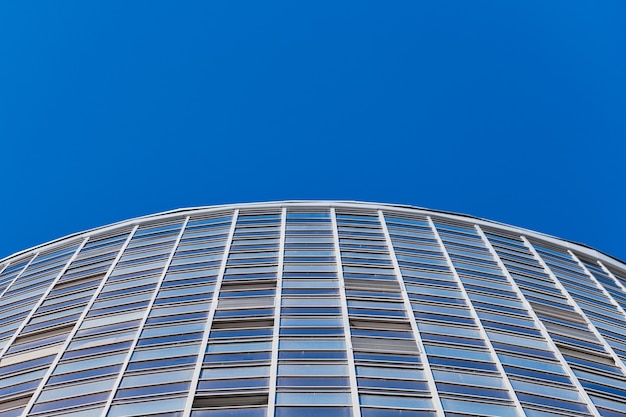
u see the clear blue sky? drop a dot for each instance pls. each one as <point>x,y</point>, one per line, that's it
<point>513,111</point>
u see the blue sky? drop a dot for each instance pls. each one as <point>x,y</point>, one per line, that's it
<point>512,111</point>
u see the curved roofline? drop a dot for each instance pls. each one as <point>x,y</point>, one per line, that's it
<point>327,203</point>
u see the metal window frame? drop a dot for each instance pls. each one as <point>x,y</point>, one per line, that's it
<point>354,391</point>
<point>271,401</point>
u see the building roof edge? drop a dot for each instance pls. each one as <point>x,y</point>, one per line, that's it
<point>325,203</point>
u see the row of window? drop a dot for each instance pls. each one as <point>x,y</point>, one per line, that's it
<point>220,315</point>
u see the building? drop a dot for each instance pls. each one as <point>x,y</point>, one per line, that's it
<point>312,309</point>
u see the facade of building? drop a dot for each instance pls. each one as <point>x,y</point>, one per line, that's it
<point>302,309</point>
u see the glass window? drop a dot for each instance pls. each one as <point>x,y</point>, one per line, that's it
<point>299,382</point>
<point>76,390</point>
<point>531,364</point>
<point>306,412</point>
<point>101,340</point>
<point>98,361</point>
<point>395,401</point>
<point>164,352</point>
<point>312,322</point>
<point>479,408</point>
<point>469,379</point>
<point>179,309</point>
<point>110,319</point>
<point>173,329</point>
<point>551,390</point>
<point>152,406</point>
<point>238,347</point>
<point>305,302</point>
<point>238,372</point>
<point>313,370</point>
<point>156,378</point>
<point>21,378</point>
<point>313,398</point>
<point>389,372</point>
<point>453,330</point>
<point>292,283</point>
<point>459,353</point>
<point>518,340</point>
<point>84,413</point>
<point>311,344</point>
<point>231,412</point>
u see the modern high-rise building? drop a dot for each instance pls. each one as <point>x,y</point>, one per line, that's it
<point>302,309</point>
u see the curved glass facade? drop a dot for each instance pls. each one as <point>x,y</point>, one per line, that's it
<point>312,309</point>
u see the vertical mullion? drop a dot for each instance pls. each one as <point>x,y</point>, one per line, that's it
<point>131,349</point>
<point>481,329</point>
<point>356,410</point>
<point>576,307</point>
<point>409,311</point>
<point>79,322</point>
<point>19,275</point>
<point>539,324</point>
<point>209,321</point>
<point>43,296</point>
<point>271,404</point>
